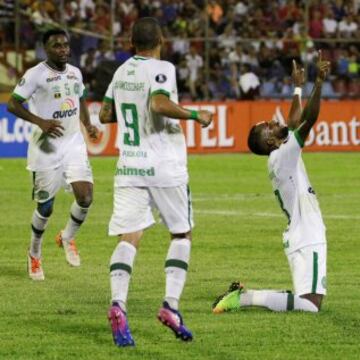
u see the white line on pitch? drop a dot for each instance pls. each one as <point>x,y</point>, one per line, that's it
<point>266,214</point>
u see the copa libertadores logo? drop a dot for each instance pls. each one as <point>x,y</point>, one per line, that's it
<point>67,109</point>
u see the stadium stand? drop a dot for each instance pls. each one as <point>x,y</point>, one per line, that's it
<point>211,42</point>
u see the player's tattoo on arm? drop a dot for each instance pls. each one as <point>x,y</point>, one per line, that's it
<point>107,114</point>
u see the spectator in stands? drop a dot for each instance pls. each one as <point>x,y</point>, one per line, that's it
<point>227,40</point>
<point>316,25</point>
<point>338,9</point>
<point>347,27</point>
<point>180,44</point>
<point>215,12</point>
<point>330,25</point>
<point>280,22</point>
<point>353,69</point>
<point>249,83</point>
<point>194,63</point>
<point>183,74</point>
<point>102,18</point>
<point>343,64</point>
<point>241,8</point>
<point>41,16</point>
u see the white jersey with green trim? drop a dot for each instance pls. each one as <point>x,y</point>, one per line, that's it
<point>52,95</point>
<point>296,197</point>
<point>152,148</point>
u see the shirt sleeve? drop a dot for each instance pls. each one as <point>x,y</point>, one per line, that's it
<point>26,86</point>
<point>109,95</point>
<point>163,80</point>
<point>290,152</point>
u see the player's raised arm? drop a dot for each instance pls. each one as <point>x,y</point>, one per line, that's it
<point>312,108</point>
<point>298,77</point>
<point>51,127</point>
<point>162,105</point>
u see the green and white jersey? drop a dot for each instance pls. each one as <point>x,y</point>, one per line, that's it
<point>296,196</point>
<point>152,148</point>
<point>52,95</point>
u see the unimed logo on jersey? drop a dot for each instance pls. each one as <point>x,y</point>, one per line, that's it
<point>67,109</point>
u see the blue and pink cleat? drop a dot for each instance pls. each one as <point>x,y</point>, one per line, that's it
<point>119,326</point>
<point>173,320</point>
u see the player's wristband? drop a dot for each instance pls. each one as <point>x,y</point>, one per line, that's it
<point>298,91</point>
<point>194,115</point>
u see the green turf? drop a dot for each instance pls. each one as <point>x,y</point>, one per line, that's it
<point>237,236</point>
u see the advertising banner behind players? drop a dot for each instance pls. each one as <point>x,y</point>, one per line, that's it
<point>338,128</point>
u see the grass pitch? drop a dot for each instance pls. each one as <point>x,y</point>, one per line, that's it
<point>237,236</point>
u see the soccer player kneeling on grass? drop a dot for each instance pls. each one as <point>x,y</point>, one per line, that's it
<point>304,239</point>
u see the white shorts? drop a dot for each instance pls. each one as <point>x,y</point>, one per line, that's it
<point>47,183</point>
<point>308,269</point>
<point>133,205</point>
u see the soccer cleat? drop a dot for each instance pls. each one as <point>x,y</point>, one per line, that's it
<point>35,269</point>
<point>71,252</point>
<point>173,320</point>
<point>230,300</point>
<point>119,327</point>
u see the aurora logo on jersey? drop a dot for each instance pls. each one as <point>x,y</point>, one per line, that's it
<point>135,171</point>
<point>67,109</point>
<point>56,78</point>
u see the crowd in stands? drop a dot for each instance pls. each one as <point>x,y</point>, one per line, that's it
<point>250,49</point>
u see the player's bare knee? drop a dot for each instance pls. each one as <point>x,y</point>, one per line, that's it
<point>132,238</point>
<point>45,209</point>
<point>186,235</point>
<point>84,201</point>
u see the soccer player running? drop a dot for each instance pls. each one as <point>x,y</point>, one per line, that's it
<point>304,239</point>
<point>57,153</point>
<point>151,171</point>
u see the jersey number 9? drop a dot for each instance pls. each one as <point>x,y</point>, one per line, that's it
<point>130,115</point>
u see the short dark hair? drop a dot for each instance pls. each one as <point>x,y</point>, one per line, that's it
<point>52,32</point>
<point>254,141</point>
<point>146,34</point>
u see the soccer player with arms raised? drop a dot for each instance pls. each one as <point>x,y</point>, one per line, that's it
<point>57,153</point>
<point>151,171</point>
<point>304,239</point>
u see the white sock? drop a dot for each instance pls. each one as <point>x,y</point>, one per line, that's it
<point>276,301</point>
<point>176,266</point>
<point>121,265</point>
<point>38,225</point>
<point>77,217</point>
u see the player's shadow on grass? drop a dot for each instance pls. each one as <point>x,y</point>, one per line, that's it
<point>69,324</point>
<point>13,272</point>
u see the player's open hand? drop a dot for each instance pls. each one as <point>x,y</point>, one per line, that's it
<point>323,67</point>
<point>53,128</point>
<point>92,131</point>
<point>204,118</point>
<point>298,74</point>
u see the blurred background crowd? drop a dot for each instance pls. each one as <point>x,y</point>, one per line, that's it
<point>222,49</point>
